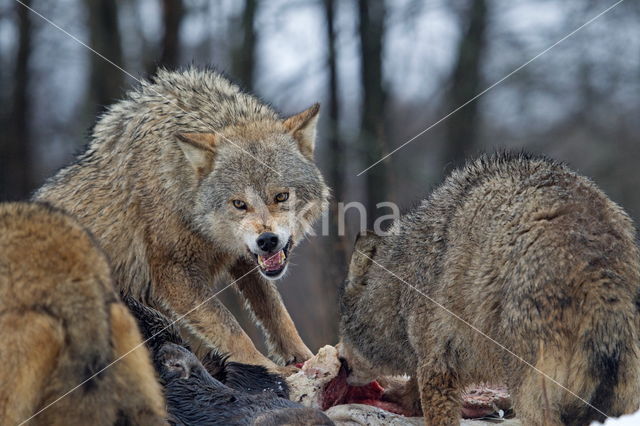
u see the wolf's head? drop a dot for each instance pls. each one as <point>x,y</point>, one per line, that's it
<point>258,189</point>
<point>355,316</point>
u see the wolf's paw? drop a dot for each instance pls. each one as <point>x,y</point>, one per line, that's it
<point>299,355</point>
<point>285,371</point>
<point>299,358</point>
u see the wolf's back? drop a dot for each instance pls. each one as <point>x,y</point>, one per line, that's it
<point>136,135</point>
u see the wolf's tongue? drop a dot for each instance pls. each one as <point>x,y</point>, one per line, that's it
<point>273,261</point>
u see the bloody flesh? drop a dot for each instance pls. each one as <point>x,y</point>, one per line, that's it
<point>338,392</point>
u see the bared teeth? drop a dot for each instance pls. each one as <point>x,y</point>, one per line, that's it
<point>273,261</point>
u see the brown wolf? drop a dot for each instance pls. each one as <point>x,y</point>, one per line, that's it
<point>533,256</point>
<point>60,323</point>
<point>190,180</point>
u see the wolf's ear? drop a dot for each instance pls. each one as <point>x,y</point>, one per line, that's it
<point>364,252</point>
<point>199,149</point>
<point>302,127</point>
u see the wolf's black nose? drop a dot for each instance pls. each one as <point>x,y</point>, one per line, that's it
<point>267,241</point>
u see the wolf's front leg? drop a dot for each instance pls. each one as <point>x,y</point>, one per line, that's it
<point>181,295</point>
<point>439,395</point>
<point>282,337</point>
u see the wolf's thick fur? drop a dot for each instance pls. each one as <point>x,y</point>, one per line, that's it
<point>160,187</point>
<point>60,323</point>
<point>534,256</point>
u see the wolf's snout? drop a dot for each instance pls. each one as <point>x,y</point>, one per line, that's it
<point>270,254</point>
<point>267,241</point>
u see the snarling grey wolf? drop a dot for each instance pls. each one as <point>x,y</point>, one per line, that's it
<point>513,248</point>
<point>190,182</point>
<point>71,351</point>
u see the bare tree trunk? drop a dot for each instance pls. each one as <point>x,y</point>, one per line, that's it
<point>466,80</point>
<point>335,250</point>
<point>244,60</point>
<point>106,81</point>
<point>372,128</point>
<point>16,180</point>
<point>335,160</point>
<point>172,13</point>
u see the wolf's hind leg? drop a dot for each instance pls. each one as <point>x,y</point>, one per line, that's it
<point>536,401</point>
<point>143,403</point>
<point>538,392</point>
<point>31,343</point>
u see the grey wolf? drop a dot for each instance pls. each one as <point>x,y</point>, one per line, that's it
<point>60,323</point>
<point>533,255</point>
<point>189,182</point>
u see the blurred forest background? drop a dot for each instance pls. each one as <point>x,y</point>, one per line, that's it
<point>383,70</point>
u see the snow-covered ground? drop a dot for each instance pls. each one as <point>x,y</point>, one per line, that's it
<point>630,420</point>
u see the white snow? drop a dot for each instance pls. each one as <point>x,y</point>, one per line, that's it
<point>628,420</point>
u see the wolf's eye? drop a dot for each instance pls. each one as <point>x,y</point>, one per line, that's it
<point>239,204</point>
<point>281,197</point>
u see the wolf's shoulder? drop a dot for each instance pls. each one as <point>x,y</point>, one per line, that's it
<point>509,164</point>
<point>504,171</point>
<point>191,99</point>
<point>189,79</point>
<point>500,169</point>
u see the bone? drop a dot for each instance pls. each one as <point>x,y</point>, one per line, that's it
<point>306,386</point>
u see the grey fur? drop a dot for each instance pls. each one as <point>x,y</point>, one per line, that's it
<point>529,252</point>
<point>155,187</point>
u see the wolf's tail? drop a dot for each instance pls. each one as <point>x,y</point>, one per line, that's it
<point>591,367</point>
<point>604,365</point>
